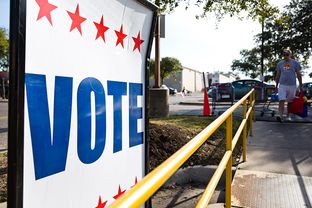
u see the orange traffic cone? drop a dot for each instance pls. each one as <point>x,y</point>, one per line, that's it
<point>206,111</point>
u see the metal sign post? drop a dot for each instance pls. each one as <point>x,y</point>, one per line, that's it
<point>78,100</point>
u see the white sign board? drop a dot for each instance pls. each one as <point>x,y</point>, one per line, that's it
<point>84,121</point>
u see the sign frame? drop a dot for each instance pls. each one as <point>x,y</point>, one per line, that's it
<point>17,99</point>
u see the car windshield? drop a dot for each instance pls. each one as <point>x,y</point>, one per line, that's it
<point>251,83</point>
<point>238,84</point>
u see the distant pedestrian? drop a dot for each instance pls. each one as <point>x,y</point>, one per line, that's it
<point>286,72</point>
<point>184,92</point>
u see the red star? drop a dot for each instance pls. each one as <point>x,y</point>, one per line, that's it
<point>119,194</point>
<point>100,204</point>
<point>135,182</point>
<point>45,10</point>
<point>101,29</point>
<point>120,36</point>
<point>76,20</point>
<point>137,42</point>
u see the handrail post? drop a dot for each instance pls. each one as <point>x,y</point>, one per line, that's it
<point>245,133</point>
<point>251,113</point>
<point>228,188</point>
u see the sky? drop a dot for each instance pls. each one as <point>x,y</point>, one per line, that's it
<point>203,44</point>
<point>4,13</point>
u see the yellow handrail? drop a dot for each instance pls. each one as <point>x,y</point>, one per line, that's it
<point>155,179</point>
<point>204,200</point>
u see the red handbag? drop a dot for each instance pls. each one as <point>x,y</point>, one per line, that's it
<point>297,105</point>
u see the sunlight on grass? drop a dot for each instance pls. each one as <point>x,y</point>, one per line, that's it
<point>192,123</point>
<point>187,122</point>
<point>4,154</point>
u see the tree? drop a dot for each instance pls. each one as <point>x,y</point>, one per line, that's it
<point>219,8</point>
<point>4,49</point>
<point>168,66</point>
<point>291,28</point>
<point>297,34</point>
<point>249,63</point>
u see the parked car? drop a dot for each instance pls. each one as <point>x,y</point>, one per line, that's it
<point>242,87</point>
<point>172,91</point>
<point>307,89</point>
<point>224,90</point>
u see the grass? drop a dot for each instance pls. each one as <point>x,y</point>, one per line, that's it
<point>193,123</point>
<point>196,123</point>
<point>4,154</point>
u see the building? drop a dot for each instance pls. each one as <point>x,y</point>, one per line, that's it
<point>187,78</point>
<point>217,77</point>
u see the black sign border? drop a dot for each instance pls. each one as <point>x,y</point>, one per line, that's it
<point>16,99</point>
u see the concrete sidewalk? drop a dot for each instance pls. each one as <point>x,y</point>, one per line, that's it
<point>268,113</point>
<point>280,148</point>
<point>278,171</point>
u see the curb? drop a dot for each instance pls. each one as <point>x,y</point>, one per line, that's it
<point>197,174</point>
<point>200,175</point>
<point>285,121</point>
<point>202,103</point>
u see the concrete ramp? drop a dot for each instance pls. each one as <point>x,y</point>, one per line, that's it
<point>255,189</point>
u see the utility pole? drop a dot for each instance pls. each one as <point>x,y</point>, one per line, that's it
<point>157,49</point>
<point>157,52</point>
<point>158,97</point>
<point>262,49</point>
<point>262,57</point>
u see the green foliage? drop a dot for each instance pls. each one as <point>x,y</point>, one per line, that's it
<point>249,64</point>
<point>151,68</point>
<point>291,28</point>
<point>168,66</point>
<point>253,8</point>
<point>263,11</point>
<point>298,35</point>
<point>4,49</point>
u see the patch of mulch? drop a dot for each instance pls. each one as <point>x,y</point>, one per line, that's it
<point>165,140</point>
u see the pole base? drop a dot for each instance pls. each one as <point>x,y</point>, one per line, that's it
<point>158,103</point>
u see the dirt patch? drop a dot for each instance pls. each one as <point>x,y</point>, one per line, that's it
<point>164,140</point>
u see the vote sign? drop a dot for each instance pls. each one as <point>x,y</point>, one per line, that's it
<point>84,112</point>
